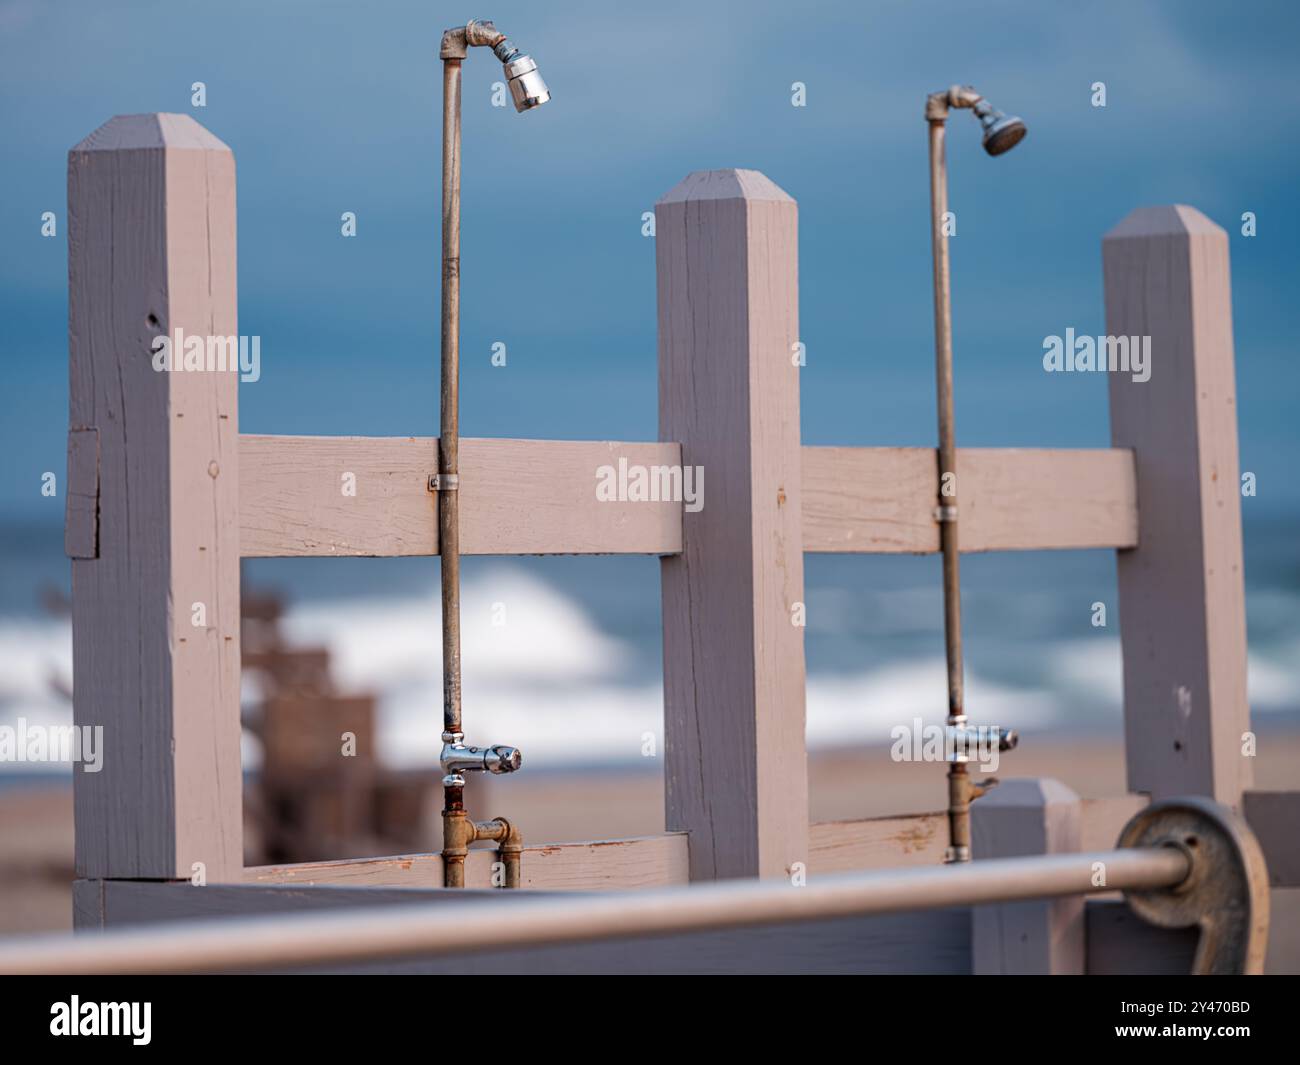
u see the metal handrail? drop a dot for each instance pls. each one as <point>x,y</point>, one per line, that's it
<point>443,928</point>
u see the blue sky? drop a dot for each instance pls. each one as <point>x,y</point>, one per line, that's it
<point>334,107</point>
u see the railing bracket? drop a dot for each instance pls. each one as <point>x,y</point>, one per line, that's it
<point>1226,892</point>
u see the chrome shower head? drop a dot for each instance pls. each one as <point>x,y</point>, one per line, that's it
<point>527,88</point>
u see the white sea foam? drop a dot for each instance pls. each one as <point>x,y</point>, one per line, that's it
<point>551,682</point>
<point>1092,669</point>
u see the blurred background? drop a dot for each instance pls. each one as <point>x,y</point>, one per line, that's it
<point>335,107</point>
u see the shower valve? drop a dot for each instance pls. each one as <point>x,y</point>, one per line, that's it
<point>968,743</point>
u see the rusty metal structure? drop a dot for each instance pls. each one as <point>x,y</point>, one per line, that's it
<point>1001,133</point>
<point>528,91</point>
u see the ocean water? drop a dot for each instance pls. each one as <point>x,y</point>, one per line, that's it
<point>563,656</point>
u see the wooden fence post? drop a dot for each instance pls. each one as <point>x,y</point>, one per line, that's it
<point>1018,818</point>
<point>1181,591</point>
<point>155,583</point>
<point>735,756</point>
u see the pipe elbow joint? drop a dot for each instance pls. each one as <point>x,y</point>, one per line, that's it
<point>938,103</point>
<point>476,33</point>
<point>513,841</point>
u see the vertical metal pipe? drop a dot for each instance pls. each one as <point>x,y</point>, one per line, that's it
<point>456,834</point>
<point>958,777</point>
<point>947,425</point>
<point>449,424</point>
<point>448,462</point>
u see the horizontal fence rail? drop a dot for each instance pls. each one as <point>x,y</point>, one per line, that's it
<point>455,928</point>
<point>318,495</point>
<point>661,861</point>
<point>602,865</point>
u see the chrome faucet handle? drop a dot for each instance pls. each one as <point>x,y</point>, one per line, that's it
<point>963,742</point>
<point>457,758</point>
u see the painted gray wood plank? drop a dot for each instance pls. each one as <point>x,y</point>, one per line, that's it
<point>129,902</point>
<point>81,523</point>
<point>1121,943</point>
<point>536,497</point>
<point>735,763</point>
<point>1045,936</point>
<point>1181,591</point>
<point>934,942</point>
<point>151,235</point>
<point>626,864</point>
<point>1274,817</point>
<point>518,497</point>
<point>895,944</point>
<point>881,499</point>
<point>87,904</point>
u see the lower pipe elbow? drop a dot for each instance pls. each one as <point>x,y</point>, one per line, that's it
<point>510,847</point>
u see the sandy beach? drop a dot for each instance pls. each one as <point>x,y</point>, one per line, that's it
<point>36,834</point>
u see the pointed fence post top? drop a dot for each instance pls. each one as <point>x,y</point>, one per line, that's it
<point>1168,220</point>
<point>727,184</point>
<point>157,130</point>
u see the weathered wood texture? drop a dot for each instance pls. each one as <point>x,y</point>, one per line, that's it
<point>1104,819</point>
<point>1181,590</point>
<point>538,497</point>
<point>87,904</point>
<point>881,500</point>
<point>878,843</point>
<point>151,249</point>
<point>1121,943</point>
<point>1044,936</point>
<point>921,839</point>
<point>1274,817</point>
<point>518,497</point>
<point>116,903</point>
<point>81,524</point>
<point>650,861</point>
<point>735,763</point>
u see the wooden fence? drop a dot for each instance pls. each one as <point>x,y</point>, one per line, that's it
<point>166,496</point>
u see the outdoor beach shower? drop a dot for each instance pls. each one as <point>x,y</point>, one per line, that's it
<point>1001,134</point>
<point>528,91</point>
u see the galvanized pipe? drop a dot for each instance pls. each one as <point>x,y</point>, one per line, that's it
<point>444,928</point>
<point>1001,133</point>
<point>448,469</point>
<point>959,782</point>
<point>529,91</point>
<point>947,502</point>
<point>449,412</point>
